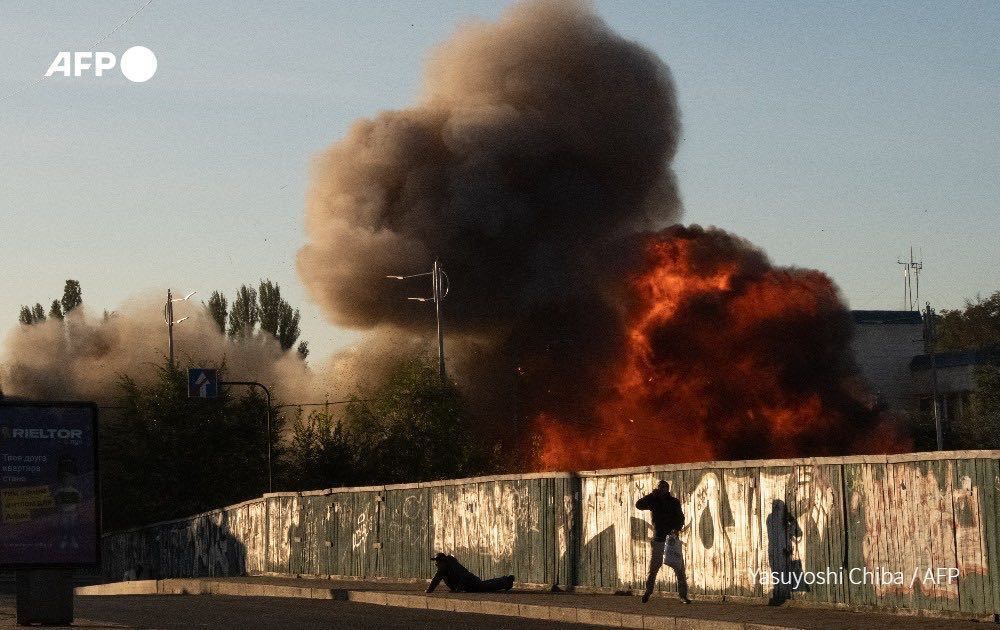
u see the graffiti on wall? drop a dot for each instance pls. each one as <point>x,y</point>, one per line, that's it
<point>741,521</point>
<point>480,518</point>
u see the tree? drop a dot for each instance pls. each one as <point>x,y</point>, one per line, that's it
<point>218,307</point>
<point>975,326</point>
<point>277,316</point>
<point>270,307</point>
<point>980,426</point>
<point>244,314</point>
<point>165,455</point>
<point>38,313</point>
<point>72,296</point>
<point>288,326</point>
<point>413,427</point>
<point>318,454</point>
<point>303,350</point>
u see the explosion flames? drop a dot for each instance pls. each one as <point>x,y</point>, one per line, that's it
<point>723,357</point>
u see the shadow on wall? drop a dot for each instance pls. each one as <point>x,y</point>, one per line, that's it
<point>599,559</point>
<point>782,533</point>
<point>202,547</point>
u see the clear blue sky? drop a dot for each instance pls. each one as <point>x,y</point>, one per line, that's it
<point>834,135</point>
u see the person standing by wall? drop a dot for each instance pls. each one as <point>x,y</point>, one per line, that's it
<point>668,519</point>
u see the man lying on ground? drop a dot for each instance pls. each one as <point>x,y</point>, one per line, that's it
<point>461,580</point>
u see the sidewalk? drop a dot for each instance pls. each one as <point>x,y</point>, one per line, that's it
<point>607,610</point>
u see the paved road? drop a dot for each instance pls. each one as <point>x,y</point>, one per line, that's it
<point>253,613</point>
<point>667,606</point>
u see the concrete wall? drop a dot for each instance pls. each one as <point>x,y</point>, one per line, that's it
<point>884,515</point>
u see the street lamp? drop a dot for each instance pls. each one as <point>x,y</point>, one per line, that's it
<point>439,290</point>
<point>168,319</point>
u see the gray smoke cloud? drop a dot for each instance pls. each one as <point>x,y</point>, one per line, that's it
<point>83,357</point>
<point>536,142</point>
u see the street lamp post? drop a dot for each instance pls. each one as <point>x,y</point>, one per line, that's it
<point>168,318</point>
<point>439,290</point>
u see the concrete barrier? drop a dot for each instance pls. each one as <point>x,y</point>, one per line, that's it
<point>871,532</point>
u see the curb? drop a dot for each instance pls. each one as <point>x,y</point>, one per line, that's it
<point>569,614</point>
<point>188,586</point>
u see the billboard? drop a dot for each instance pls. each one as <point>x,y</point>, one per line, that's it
<point>48,484</point>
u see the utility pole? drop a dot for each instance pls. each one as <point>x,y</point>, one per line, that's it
<point>911,275</point>
<point>439,290</point>
<point>168,318</point>
<point>437,271</point>
<point>929,326</point>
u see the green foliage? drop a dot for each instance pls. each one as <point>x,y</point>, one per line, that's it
<point>319,454</point>
<point>288,326</point>
<point>303,350</point>
<point>980,428</point>
<point>26,316</point>
<point>412,427</point>
<point>164,455</point>
<point>277,316</point>
<point>218,308</point>
<point>975,326</point>
<point>72,296</point>
<point>270,307</point>
<point>245,313</point>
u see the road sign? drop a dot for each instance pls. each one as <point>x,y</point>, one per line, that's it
<point>48,495</point>
<point>203,383</point>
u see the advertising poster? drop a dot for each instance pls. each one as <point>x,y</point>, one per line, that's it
<point>48,484</point>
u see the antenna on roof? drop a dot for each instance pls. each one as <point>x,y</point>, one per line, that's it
<point>911,281</point>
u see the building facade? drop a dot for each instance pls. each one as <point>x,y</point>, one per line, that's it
<point>885,343</point>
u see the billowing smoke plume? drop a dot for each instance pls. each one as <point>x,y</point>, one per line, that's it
<point>82,358</point>
<point>536,139</point>
<point>536,168</point>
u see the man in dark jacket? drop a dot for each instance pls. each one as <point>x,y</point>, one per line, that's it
<point>668,519</point>
<point>460,579</point>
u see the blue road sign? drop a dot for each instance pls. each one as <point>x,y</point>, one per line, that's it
<point>203,383</point>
